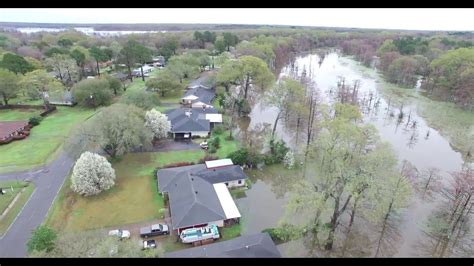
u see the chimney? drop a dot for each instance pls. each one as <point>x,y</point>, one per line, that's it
<point>192,179</point>
<point>196,192</point>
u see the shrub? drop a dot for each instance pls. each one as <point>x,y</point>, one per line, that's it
<point>219,129</point>
<point>215,142</point>
<point>245,157</point>
<point>35,120</point>
<point>208,157</point>
<point>284,233</point>
<point>212,149</point>
<point>278,151</point>
<point>42,238</point>
<point>289,160</point>
<point>176,165</point>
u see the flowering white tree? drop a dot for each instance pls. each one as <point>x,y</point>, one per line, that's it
<point>289,160</point>
<point>92,174</point>
<point>158,123</point>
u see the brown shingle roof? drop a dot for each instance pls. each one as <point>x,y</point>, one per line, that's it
<point>9,127</point>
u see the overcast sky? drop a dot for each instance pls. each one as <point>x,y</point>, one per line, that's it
<point>416,19</point>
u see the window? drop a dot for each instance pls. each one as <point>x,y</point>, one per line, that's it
<point>240,182</point>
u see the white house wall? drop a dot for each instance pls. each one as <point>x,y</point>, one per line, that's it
<point>202,134</point>
<point>235,183</point>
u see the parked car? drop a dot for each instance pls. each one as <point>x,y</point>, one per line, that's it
<point>147,244</point>
<point>204,145</point>
<point>120,233</point>
<point>154,230</point>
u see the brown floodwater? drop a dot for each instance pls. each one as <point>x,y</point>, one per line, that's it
<point>411,138</point>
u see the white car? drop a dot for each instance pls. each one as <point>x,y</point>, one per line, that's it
<point>147,244</point>
<point>120,233</point>
<point>204,145</point>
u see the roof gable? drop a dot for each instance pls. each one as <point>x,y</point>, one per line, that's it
<point>195,121</point>
<point>249,246</point>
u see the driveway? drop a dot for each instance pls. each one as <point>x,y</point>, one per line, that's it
<point>160,240</point>
<point>48,181</point>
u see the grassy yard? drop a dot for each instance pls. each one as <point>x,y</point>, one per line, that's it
<point>18,114</point>
<point>165,108</point>
<point>226,146</point>
<point>44,140</point>
<point>6,199</point>
<point>134,198</point>
<point>230,232</point>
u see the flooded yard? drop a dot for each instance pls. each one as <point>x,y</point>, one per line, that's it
<point>408,133</point>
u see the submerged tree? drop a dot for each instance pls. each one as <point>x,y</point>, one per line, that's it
<point>391,196</point>
<point>283,96</point>
<point>347,158</point>
<point>448,227</point>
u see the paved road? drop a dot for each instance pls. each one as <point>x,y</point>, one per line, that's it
<point>48,181</point>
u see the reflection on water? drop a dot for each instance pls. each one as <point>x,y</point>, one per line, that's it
<point>261,208</point>
<point>399,124</point>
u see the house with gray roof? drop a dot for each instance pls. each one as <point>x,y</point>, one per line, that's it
<point>198,96</point>
<point>192,122</point>
<point>258,245</point>
<point>199,93</point>
<point>198,195</point>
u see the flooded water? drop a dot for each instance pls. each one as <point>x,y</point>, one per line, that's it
<point>409,135</point>
<point>85,30</point>
<point>254,218</point>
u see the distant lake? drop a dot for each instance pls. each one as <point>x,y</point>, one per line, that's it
<point>86,30</point>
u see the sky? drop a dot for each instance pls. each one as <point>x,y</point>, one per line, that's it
<point>381,18</point>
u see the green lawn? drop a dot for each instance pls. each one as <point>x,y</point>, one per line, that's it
<point>10,195</point>
<point>173,97</point>
<point>43,142</point>
<point>230,232</point>
<point>226,146</point>
<point>6,199</point>
<point>18,114</point>
<point>164,108</point>
<point>134,198</point>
